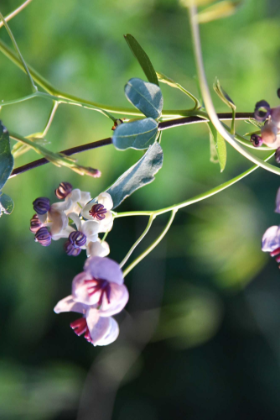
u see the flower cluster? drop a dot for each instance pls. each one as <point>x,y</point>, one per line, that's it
<point>98,293</point>
<point>76,217</point>
<point>271,237</point>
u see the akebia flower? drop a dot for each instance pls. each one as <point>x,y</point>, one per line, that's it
<point>99,210</point>
<point>98,293</point>
<point>271,237</point>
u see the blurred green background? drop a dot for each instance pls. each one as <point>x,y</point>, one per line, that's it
<point>201,335</point>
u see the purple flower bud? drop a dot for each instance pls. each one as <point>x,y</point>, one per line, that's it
<point>35,223</point>
<point>77,238</point>
<point>262,111</point>
<point>41,205</point>
<point>63,190</point>
<point>43,236</point>
<point>71,249</point>
<point>277,155</point>
<point>256,140</point>
<point>98,211</point>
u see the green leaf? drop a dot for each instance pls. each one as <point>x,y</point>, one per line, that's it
<point>220,146</point>
<point>6,158</point>
<point>6,204</point>
<point>138,134</point>
<point>227,100</point>
<point>164,79</point>
<point>146,97</point>
<point>219,10</point>
<point>142,58</point>
<point>139,175</point>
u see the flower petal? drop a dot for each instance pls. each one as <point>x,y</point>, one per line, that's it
<point>90,228</point>
<point>98,327</point>
<point>271,239</point>
<point>105,199</point>
<point>98,249</point>
<point>106,224</point>
<point>104,268</point>
<point>118,299</point>
<point>80,289</point>
<point>85,198</point>
<point>58,219</point>
<point>69,305</point>
<point>63,234</point>
<point>111,335</point>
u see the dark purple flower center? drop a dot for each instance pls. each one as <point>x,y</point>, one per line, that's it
<point>63,190</point>
<point>256,140</point>
<point>262,111</point>
<point>43,236</point>
<point>74,243</point>
<point>98,211</point>
<point>41,205</point>
<point>99,286</point>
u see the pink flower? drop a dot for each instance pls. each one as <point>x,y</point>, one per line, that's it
<point>98,293</point>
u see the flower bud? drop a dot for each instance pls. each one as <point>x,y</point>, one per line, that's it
<point>71,249</point>
<point>262,111</point>
<point>63,190</point>
<point>256,140</point>
<point>43,236</point>
<point>35,223</point>
<point>77,238</point>
<point>98,211</point>
<point>41,205</point>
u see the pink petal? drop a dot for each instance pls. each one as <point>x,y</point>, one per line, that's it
<point>80,289</point>
<point>104,268</point>
<point>118,299</point>
<point>277,209</point>
<point>98,327</point>
<point>69,305</point>
<point>111,335</point>
<point>271,239</point>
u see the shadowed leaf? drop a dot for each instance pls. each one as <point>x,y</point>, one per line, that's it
<point>138,134</point>
<point>146,97</point>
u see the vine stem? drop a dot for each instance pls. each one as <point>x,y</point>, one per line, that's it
<point>208,101</point>
<point>195,199</point>
<point>104,142</point>
<point>153,245</point>
<point>150,222</point>
<point>15,12</point>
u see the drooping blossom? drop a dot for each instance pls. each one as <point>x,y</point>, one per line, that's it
<point>98,293</point>
<point>271,237</point>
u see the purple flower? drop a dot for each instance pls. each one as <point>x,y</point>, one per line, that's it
<point>43,236</point>
<point>41,205</point>
<point>98,293</point>
<point>63,190</point>
<point>35,223</point>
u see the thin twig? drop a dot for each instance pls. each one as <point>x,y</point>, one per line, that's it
<point>104,142</point>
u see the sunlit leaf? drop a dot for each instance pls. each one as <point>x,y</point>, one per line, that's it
<point>219,10</point>
<point>139,175</point>
<point>6,204</point>
<point>146,97</point>
<point>6,158</point>
<point>164,79</point>
<point>142,58</point>
<point>220,144</point>
<point>189,3</point>
<point>138,134</point>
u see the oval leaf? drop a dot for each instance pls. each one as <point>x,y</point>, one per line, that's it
<point>146,97</point>
<point>139,175</point>
<point>6,158</point>
<point>135,135</point>
<point>6,204</point>
<point>142,58</point>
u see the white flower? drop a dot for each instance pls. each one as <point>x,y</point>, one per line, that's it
<point>100,211</point>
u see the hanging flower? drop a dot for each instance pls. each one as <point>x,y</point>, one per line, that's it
<point>97,293</point>
<point>271,237</point>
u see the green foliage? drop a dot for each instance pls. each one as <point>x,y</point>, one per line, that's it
<point>6,204</point>
<point>146,97</point>
<point>142,58</point>
<point>218,148</point>
<point>164,79</point>
<point>138,134</point>
<point>6,158</point>
<point>139,175</point>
